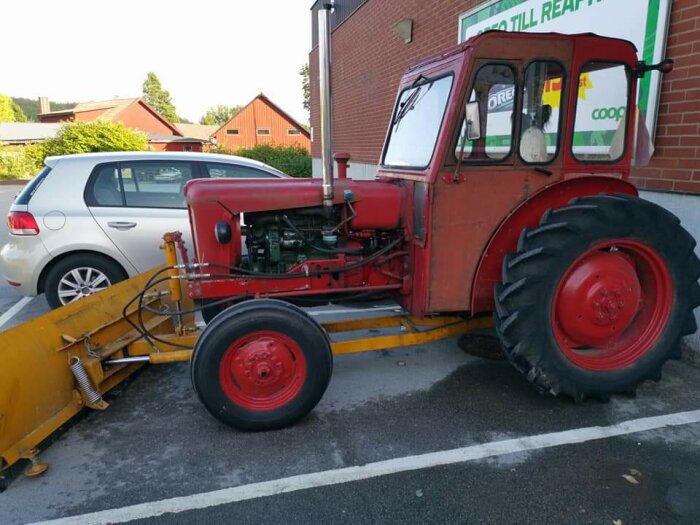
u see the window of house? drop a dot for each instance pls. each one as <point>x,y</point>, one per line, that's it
<point>234,171</point>
<point>600,127</point>
<point>232,132</point>
<point>494,92</point>
<point>263,131</point>
<point>293,132</point>
<point>140,184</point>
<point>187,148</point>
<point>540,114</point>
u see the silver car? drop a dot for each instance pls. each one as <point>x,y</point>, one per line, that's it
<point>88,221</point>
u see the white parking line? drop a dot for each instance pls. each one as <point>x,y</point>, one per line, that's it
<point>373,470</point>
<point>14,310</point>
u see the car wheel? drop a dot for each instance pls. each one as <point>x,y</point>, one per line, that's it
<point>78,276</point>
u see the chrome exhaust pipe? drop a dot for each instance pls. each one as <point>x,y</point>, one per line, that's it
<point>324,67</point>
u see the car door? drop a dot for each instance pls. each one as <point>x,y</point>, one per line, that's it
<point>136,202</point>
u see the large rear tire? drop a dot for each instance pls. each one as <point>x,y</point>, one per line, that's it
<point>597,297</point>
<point>261,364</point>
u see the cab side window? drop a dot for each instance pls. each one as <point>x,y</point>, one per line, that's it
<point>539,120</point>
<point>494,92</point>
<point>600,127</point>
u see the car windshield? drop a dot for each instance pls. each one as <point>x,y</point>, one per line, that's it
<point>416,123</point>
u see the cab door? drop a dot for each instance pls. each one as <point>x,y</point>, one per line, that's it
<point>521,101</point>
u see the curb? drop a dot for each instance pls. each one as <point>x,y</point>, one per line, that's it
<point>690,354</point>
<point>13,182</point>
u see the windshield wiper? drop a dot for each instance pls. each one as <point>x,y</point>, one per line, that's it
<point>406,106</point>
<point>412,100</point>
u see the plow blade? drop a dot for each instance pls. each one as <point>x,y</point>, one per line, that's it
<point>55,365</point>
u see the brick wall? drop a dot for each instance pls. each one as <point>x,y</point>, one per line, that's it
<point>675,166</point>
<point>368,62</point>
<point>369,59</point>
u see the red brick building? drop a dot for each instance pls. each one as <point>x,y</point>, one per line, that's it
<point>262,122</point>
<point>369,57</point>
<point>134,113</point>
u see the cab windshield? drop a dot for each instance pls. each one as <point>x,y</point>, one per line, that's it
<point>416,123</point>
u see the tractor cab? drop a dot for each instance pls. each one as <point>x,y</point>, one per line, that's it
<point>501,128</point>
<point>560,103</point>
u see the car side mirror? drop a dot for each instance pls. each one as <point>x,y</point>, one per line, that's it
<point>473,121</point>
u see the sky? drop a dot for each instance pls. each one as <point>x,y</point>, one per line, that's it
<point>205,52</point>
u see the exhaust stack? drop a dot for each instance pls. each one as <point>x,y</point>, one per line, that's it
<point>324,66</point>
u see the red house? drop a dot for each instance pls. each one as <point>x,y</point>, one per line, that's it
<point>134,113</point>
<point>262,122</point>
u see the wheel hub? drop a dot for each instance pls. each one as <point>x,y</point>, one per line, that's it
<point>81,282</point>
<point>599,298</point>
<point>262,371</point>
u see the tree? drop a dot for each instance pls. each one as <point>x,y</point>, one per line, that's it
<point>10,111</point>
<point>19,114</point>
<point>218,115</point>
<point>159,98</point>
<point>306,86</point>
<point>30,107</point>
<point>89,137</point>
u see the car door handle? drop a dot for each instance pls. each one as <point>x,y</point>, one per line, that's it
<point>121,225</point>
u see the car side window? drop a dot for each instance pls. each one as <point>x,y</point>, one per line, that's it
<point>234,171</point>
<point>105,189</point>
<point>155,184</point>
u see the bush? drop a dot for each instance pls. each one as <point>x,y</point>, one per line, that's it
<point>22,162</point>
<point>18,162</point>
<point>295,161</point>
<point>91,137</point>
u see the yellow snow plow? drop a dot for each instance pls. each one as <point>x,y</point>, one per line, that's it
<point>59,363</point>
<point>53,366</point>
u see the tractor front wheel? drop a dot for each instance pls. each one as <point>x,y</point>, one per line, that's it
<point>261,364</point>
<point>597,297</point>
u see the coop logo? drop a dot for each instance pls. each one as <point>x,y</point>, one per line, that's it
<point>611,113</point>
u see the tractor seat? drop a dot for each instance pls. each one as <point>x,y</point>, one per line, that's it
<point>533,145</point>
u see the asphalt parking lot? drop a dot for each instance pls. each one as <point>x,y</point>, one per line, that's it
<point>425,434</point>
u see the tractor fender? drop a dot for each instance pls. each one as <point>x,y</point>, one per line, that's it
<point>527,215</point>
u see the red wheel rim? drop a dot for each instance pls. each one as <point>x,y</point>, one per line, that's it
<point>612,305</point>
<point>262,371</point>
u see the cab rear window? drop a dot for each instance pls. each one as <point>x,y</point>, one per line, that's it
<point>30,189</point>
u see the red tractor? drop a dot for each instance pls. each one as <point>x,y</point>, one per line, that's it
<point>495,195</point>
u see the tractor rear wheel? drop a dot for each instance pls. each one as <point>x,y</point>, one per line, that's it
<point>597,297</point>
<point>261,364</point>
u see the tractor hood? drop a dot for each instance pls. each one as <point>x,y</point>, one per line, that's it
<point>377,204</point>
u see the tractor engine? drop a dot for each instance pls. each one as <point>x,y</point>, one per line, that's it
<point>275,238</point>
<point>278,241</point>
